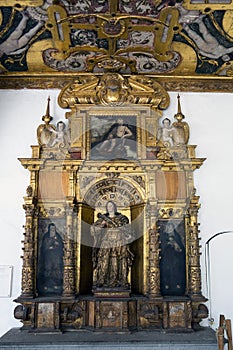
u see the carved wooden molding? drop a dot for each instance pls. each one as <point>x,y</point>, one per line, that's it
<point>114,89</point>
<point>178,83</point>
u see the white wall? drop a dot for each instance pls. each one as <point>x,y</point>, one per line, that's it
<point>20,114</point>
<point>211,122</point>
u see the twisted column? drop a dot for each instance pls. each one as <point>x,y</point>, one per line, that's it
<point>153,279</point>
<point>154,259</point>
<point>28,273</point>
<point>194,285</point>
<point>69,258</point>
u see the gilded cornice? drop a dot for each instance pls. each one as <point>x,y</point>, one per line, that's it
<point>59,81</point>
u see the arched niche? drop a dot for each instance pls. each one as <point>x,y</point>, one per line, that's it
<point>130,202</point>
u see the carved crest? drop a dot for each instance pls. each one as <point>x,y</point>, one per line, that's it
<point>114,89</point>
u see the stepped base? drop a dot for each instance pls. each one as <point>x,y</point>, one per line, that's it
<point>203,339</point>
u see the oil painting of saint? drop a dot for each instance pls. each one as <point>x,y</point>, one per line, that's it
<point>50,264</point>
<point>113,138</point>
<point>173,258</point>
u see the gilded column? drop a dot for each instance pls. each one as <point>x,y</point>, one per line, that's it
<point>69,258</point>
<point>153,256</point>
<point>194,273</point>
<point>28,273</point>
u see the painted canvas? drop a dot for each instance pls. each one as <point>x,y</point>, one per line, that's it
<point>113,137</point>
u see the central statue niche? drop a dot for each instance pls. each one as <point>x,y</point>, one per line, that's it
<point>111,256</point>
<point>116,235</point>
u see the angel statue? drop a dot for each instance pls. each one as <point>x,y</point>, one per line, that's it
<point>59,137</point>
<point>49,136</point>
<point>166,133</point>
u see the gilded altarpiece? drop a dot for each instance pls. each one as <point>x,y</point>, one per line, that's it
<point>111,233</point>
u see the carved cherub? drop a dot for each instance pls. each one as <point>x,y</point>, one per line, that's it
<point>175,134</point>
<point>60,137</point>
<point>165,133</point>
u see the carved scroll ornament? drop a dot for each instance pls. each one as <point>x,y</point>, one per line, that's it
<point>113,89</point>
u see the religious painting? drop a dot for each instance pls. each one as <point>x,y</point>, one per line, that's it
<point>113,137</point>
<point>50,257</point>
<point>173,257</point>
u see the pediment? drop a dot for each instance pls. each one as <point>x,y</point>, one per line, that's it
<point>113,89</point>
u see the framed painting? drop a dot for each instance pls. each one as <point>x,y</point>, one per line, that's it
<point>50,256</point>
<point>113,137</point>
<point>173,257</point>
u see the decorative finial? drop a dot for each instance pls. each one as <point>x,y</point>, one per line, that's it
<point>181,128</point>
<point>46,131</point>
<point>179,107</point>
<point>47,117</point>
<point>179,115</point>
<point>48,107</point>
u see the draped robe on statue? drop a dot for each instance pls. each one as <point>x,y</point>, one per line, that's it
<point>111,253</point>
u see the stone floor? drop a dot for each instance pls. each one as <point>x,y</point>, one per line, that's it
<point>15,339</point>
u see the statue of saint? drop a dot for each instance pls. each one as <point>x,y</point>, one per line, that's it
<point>112,257</point>
<point>175,134</point>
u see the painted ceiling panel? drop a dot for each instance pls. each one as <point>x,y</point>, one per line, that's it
<point>172,38</point>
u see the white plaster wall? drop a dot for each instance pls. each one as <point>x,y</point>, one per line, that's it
<point>20,114</point>
<point>210,118</point>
